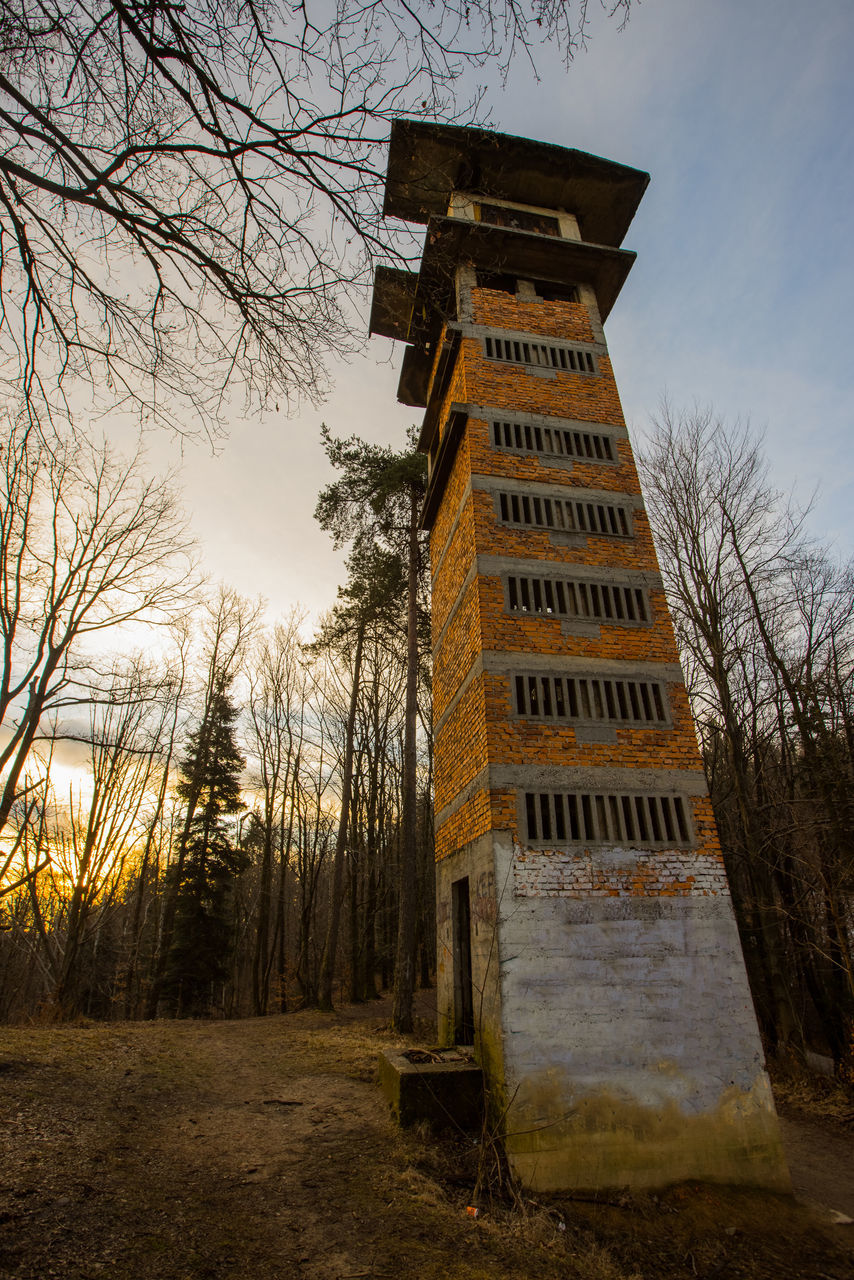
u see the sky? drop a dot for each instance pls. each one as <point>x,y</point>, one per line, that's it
<point>741,296</point>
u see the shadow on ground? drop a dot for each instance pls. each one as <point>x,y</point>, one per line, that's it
<point>262,1149</point>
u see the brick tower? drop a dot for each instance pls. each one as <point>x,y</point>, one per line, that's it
<point>586,938</point>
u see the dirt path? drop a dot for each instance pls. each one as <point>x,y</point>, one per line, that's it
<point>200,1149</point>
<point>821,1163</point>
<point>258,1149</point>
<point>262,1149</point>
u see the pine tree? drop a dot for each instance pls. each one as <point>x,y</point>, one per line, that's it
<point>202,938</point>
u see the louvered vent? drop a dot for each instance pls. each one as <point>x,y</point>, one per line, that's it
<point>589,698</point>
<point>541,355</point>
<point>654,821</point>
<point>564,442</point>
<point>567,514</point>
<point>569,598</point>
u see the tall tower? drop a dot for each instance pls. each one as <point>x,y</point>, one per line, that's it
<point>587,944</point>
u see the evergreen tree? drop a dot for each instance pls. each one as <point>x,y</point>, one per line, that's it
<point>202,938</point>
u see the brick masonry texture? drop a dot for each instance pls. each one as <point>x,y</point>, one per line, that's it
<point>476,724</point>
<point>483,811</point>
<point>570,320</point>
<point>488,460</point>
<point>539,633</point>
<point>461,746</point>
<point>567,874</point>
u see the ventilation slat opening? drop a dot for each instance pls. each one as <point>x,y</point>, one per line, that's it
<point>628,817</point>
<point>681,820</point>
<point>585,517</point>
<point>545,817</point>
<point>560,822</point>
<point>573,598</point>
<point>531,816</point>
<point>553,355</point>
<point>667,818</point>
<point>563,513</point>
<point>587,817</point>
<point>655,818</point>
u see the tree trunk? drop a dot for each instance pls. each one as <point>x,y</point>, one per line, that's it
<point>404,969</point>
<point>260,966</point>
<point>327,967</point>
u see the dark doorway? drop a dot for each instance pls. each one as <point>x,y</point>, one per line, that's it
<point>463,999</point>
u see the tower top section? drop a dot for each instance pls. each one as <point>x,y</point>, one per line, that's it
<point>429,162</point>
<point>501,212</point>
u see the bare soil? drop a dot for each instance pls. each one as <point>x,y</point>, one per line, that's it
<point>262,1148</point>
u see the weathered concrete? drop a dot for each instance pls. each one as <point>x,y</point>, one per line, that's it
<point>448,1094</point>
<point>601,1028</point>
<point>631,1051</point>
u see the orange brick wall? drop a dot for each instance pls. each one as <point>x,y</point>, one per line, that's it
<point>570,320</point>
<point>480,729</point>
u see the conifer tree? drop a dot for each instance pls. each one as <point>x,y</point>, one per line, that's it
<point>202,936</point>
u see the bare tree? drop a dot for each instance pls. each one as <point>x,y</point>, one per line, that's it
<point>104,828</point>
<point>765,622</point>
<point>276,691</point>
<point>79,849</point>
<point>316,823</point>
<point>87,543</point>
<point>373,846</point>
<point>327,967</point>
<point>165,732</point>
<point>185,189</point>
<point>701,481</point>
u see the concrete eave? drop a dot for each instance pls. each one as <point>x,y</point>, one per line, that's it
<point>414,383</point>
<point>428,161</point>
<point>414,310</point>
<point>458,416</point>
<point>453,241</point>
<point>392,302</point>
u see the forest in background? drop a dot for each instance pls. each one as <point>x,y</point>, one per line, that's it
<point>195,871</point>
<point>187,880</point>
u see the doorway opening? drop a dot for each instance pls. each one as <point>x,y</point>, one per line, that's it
<point>463,994</point>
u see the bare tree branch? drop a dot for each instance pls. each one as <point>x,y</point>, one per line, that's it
<point>187,191</point>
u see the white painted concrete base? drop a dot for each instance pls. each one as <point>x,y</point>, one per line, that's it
<point>618,1033</point>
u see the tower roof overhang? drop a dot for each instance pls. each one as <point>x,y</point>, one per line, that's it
<point>412,306</point>
<point>428,161</point>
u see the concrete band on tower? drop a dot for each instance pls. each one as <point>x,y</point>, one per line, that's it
<point>586,940</point>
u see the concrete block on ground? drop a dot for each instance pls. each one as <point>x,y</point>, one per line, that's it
<point>445,1087</point>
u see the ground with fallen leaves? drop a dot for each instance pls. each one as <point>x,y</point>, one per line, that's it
<point>263,1149</point>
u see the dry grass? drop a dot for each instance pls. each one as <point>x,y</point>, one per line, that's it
<point>260,1150</point>
<point>806,1093</point>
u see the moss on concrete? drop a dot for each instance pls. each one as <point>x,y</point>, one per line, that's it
<point>558,1142</point>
